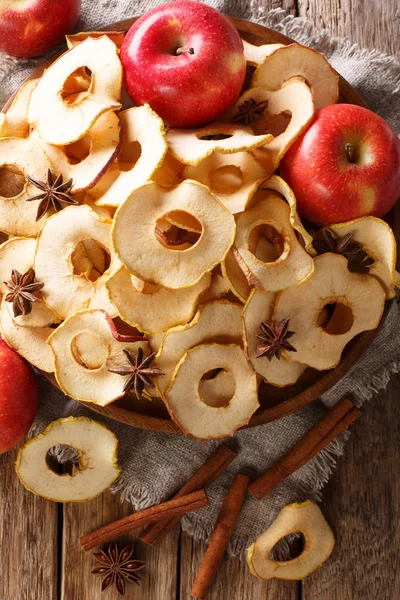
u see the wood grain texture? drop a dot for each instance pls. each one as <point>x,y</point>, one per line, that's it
<point>28,539</point>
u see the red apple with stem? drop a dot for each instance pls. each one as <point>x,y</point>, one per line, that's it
<point>32,27</point>
<point>18,397</point>
<point>346,165</point>
<point>186,60</point>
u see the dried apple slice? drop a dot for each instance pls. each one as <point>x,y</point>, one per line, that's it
<point>73,39</point>
<point>192,412</point>
<point>169,173</point>
<point>153,308</point>
<point>66,291</point>
<point>295,60</point>
<point>255,55</point>
<point>305,518</point>
<point>191,146</point>
<point>142,253</point>
<point>97,467</point>
<point>233,178</point>
<point>82,364</point>
<point>355,300</point>
<point>290,264</point>
<point>294,100</point>
<point>20,159</point>
<point>87,159</point>
<point>29,342</point>
<point>71,117</point>
<point>14,122</point>
<point>376,237</point>
<point>218,321</point>
<point>234,275</point>
<point>259,309</point>
<point>143,147</point>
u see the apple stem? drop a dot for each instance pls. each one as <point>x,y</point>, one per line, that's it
<point>184,50</point>
<point>350,151</point>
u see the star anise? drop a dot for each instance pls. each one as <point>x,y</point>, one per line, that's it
<point>139,370</point>
<point>359,260</point>
<point>116,566</point>
<point>22,288</point>
<point>250,111</point>
<point>274,339</point>
<point>54,193</point>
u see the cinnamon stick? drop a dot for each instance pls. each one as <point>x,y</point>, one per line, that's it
<point>220,536</point>
<point>208,472</point>
<point>332,423</point>
<point>177,506</point>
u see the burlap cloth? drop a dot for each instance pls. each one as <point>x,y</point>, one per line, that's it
<point>156,465</point>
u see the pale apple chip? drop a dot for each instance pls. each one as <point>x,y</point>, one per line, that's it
<point>191,146</point>
<point>218,321</point>
<point>20,159</point>
<point>295,60</point>
<point>234,275</point>
<point>85,160</point>
<point>259,309</point>
<point>195,415</point>
<point>142,151</point>
<point>233,178</point>
<point>305,518</point>
<point>14,122</point>
<point>153,308</point>
<point>72,115</point>
<point>140,249</point>
<point>65,289</point>
<point>73,39</point>
<point>355,302</point>
<point>84,350</point>
<point>289,264</point>
<point>169,173</point>
<point>255,55</point>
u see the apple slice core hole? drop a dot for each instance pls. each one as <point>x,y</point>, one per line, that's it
<point>289,547</point>
<point>77,85</point>
<point>266,243</point>
<point>89,350</point>
<point>213,394</point>
<point>214,136</point>
<point>78,151</point>
<point>336,318</point>
<point>227,179</point>
<point>64,460</point>
<point>178,230</point>
<point>12,181</point>
<point>90,259</point>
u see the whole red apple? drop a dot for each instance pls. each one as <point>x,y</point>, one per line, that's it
<point>18,397</point>
<point>32,27</point>
<point>346,165</point>
<point>186,60</point>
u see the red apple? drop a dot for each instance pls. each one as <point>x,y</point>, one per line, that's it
<point>18,397</point>
<point>186,60</point>
<point>32,27</point>
<point>346,165</point>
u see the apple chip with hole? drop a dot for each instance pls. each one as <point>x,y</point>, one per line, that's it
<point>85,160</point>
<point>74,110</point>
<point>299,61</point>
<point>143,147</point>
<point>279,372</point>
<point>149,256</point>
<point>191,146</point>
<point>233,178</point>
<point>73,39</point>
<point>14,122</point>
<point>58,261</point>
<point>19,159</point>
<point>329,310</point>
<point>305,518</point>
<point>255,55</point>
<point>84,349</point>
<point>222,416</point>
<point>281,261</point>
<point>95,469</point>
<point>218,321</point>
<point>152,308</point>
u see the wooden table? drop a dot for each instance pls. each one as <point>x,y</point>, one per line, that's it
<point>39,554</point>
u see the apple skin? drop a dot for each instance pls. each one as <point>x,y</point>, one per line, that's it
<point>328,187</point>
<point>18,397</point>
<point>32,27</point>
<point>186,90</point>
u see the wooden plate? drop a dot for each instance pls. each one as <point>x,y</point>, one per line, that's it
<point>275,402</point>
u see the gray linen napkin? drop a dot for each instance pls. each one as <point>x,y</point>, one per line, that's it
<point>156,465</point>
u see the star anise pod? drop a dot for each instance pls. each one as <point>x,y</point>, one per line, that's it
<point>22,288</point>
<point>115,566</point>
<point>359,260</point>
<point>140,371</point>
<point>54,193</point>
<point>250,111</point>
<point>274,338</point>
